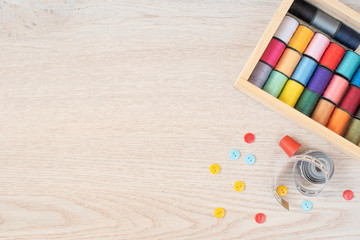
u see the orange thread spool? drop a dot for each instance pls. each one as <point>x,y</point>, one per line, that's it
<point>338,121</point>
<point>288,62</point>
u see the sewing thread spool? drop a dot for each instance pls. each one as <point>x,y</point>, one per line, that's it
<point>338,121</point>
<point>304,70</point>
<point>275,83</point>
<point>260,74</point>
<point>301,38</point>
<point>332,56</point>
<point>353,132</point>
<point>303,10</point>
<point>348,65</point>
<point>273,52</point>
<point>317,46</point>
<point>288,62</point>
<point>325,23</point>
<point>319,80</point>
<point>348,37</point>
<point>356,78</point>
<point>336,89</point>
<point>351,100</point>
<point>286,29</point>
<point>323,111</point>
<point>307,102</point>
<point>291,93</point>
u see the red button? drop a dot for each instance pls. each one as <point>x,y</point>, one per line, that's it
<point>348,195</point>
<point>249,137</point>
<point>260,218</point>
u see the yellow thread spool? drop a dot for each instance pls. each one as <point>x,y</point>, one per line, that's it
<point>301,38</point>
<point>291,93</point>
<point>288,62</point>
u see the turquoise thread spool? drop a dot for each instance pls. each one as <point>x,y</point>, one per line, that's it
<point>348,64</point>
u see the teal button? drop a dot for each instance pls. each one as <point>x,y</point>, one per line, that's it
<point>306,205</point>
<point>234,154</point>
<point>250,159</point>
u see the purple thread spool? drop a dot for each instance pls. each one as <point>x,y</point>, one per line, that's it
<point>320,80</point>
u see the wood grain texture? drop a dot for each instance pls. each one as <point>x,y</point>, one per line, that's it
<point>112,112</point>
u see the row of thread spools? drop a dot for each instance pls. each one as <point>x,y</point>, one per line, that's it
<point>318,77</point>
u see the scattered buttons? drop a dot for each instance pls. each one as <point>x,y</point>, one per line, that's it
<point>234,154</point>
<point>239,186</point>
<point>219,212</point>
<point>282,191</point>
<point>306,205</point>
<point>215,168</point>
<point>250,159</point>
<point>249,138</point>
<point>260,218</point>
<point>348,195</point>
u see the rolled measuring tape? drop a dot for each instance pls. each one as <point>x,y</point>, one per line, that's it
<point>311,171</point>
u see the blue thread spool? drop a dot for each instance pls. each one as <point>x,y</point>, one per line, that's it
<point>275,83</point>
<point>348,37</point>
<point>304,70</point>
<point>348,64</point>
<point>356,78</point>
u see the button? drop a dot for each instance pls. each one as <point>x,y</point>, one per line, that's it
<point>306,205</point>
<point>282,190</point>
<point>239,186</point>
<point>215,168</point>
<point>249,138</point>
<point>219,212</point>
<point>260,218</point>
<point>348,195</point>
<point>250,159</point>
<point>234,154</point>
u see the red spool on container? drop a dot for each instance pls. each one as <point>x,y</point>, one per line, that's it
<point>332,56</point>
<point>351,100</point>
<point>273,52</point>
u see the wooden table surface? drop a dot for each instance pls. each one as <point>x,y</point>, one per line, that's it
<point>113,111</point>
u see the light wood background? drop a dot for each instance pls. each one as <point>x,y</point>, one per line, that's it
<point>111,113</point>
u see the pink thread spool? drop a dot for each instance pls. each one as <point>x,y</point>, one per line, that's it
<point>336,89</point>
<point>317,46</point>
<point>273,52</point>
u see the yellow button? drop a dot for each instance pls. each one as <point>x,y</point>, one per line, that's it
<point>215,168</point>
<point>239,186</point>
<point>219,212</point>
<point>282,191</point>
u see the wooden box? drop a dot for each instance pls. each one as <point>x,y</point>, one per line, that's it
<point>335,9</point>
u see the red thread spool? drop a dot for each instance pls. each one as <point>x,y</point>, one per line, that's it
<point>332,56</point>
<point>273,52</point>
<point>351,100</point>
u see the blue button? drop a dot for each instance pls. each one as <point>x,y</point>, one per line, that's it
<point>250,159</point>
<point>234,154</point>
<point>306,205</point>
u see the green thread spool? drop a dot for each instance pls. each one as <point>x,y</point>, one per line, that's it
<point>307,102</point>
<point>353,132</point>
<point>275,83</point>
